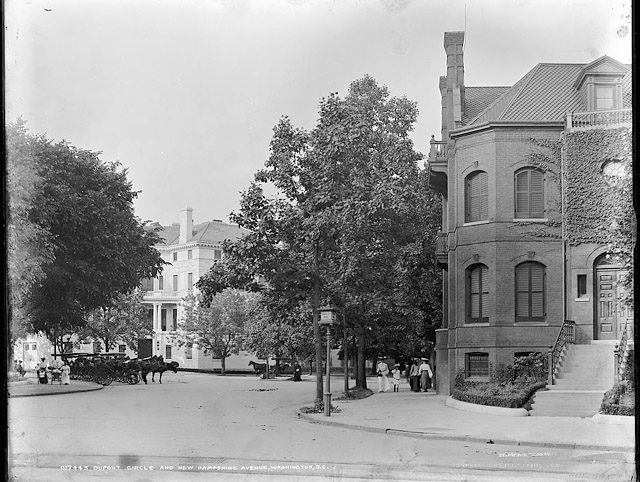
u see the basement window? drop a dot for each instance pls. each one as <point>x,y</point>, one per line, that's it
<point>477,365</point>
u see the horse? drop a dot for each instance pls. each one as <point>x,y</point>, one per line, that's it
<point>259,368</point>
<point>154,364</point>
<point>163,368</point>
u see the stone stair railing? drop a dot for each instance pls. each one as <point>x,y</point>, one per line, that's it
<point>566,335</point>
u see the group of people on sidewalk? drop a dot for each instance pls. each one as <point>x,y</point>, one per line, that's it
<point>419,376</point>
<point>59,370</point>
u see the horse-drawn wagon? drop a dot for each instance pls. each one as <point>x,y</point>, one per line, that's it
<point>102,368</point>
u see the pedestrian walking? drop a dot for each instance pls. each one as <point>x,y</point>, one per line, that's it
<point>382,371</point>
<point>20,369</point>
<point>396,373</point>
<point>414,375</point>
<point>65,371</point>
<point>425,374</point>
<point>297,373</point>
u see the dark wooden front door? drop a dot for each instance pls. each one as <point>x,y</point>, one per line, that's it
<point>606,304</point>
<point>145,347</point>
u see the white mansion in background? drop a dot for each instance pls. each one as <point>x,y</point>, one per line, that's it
<point>189,250</point>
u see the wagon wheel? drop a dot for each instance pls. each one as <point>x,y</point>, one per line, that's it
<point>87,374</point>
<point>133,378</point>
<point>103,377</point>
<point>107,377</point>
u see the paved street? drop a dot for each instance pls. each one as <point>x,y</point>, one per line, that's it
<point>203,427</point>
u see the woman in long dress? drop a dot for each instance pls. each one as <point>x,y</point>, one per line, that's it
<point>65,373</point>
<point>383,371</point>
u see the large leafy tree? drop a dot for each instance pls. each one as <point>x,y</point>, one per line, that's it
<point>218,325</point>
<point>125,320</point>
<point>81,208</point>
<point>282,334</point>
<point>28,246</point>
<point>367,207</point>
<point>354,222</point>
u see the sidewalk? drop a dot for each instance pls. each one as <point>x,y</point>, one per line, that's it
<point>426,415</point>
<point>31,388</point>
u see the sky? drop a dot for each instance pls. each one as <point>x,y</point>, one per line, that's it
<point>185,93</point>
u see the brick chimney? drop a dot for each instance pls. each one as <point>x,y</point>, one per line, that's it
<point>452,86</point>
<point>186,225</point>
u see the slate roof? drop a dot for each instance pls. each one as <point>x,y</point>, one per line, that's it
<point>545,93</point>
<point>210,232</point>
<point>477,99</point>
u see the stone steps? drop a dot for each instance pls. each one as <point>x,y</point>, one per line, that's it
<point>583,375</point>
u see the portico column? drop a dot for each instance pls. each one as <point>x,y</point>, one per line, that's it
<point>156,316</point>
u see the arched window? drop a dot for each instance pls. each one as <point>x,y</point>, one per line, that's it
<point>476,194</point>
<point>477,294</point>
<point>530,292</point>
<point>529,193</point>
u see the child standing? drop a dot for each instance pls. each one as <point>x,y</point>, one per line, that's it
<point>396,377</point>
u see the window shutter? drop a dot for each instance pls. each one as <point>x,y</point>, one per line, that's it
<point>537,291</point>
<point>484,296</point>
<point>475,294</point>
<point>477,197</point>
<point>483,196</point>
<point>537,194</point>
<point>530,303</point>
<point>522,194</point>
<point>522,292</point>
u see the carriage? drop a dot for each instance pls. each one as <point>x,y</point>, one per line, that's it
<point>101,368</point>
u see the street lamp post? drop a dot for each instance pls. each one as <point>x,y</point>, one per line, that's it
<point>327,318</point>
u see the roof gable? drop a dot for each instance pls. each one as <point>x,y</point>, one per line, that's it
<point>604,65</point>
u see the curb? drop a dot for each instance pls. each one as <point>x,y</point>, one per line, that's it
<point>464,438</point>
<point>472,407</point>
<point>613,419</point>
<point>66,392</point>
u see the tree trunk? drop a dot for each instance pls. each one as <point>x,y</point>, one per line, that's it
<point>361,378</point>
<point>223,365</point>
<point>316,331</point>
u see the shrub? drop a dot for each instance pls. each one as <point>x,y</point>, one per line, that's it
<point>459,381</point>
<point>531,367</point>
<point>503,388</point>
<point>620,400</point>
<point>503,374</point>
<point>318,407</point>
<point>507,395</point>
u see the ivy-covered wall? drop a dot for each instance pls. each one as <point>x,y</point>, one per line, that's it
<point>598,209</point>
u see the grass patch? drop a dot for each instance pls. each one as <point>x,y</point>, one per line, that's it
<point>318,407</point>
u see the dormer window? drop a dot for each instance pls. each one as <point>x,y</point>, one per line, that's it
<point>604,97</point>
<point>600,84</point>
<point>604,93</point>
